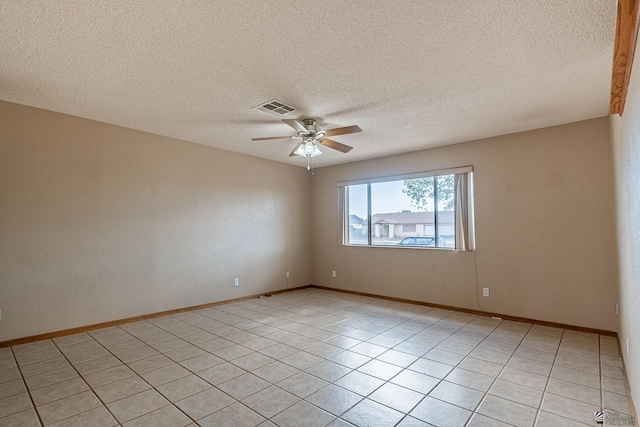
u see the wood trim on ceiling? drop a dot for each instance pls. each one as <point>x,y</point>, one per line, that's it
<point>623,51</point>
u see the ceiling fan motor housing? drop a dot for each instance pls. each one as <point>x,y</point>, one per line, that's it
<point>312,132</point>
<point>310,124</point>
<point>311,135</point>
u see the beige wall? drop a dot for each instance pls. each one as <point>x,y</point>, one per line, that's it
<point>99,222</point>
<point>545,227</point>
<point>626,144</point>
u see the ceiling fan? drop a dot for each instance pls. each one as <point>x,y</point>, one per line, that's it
<point>310,135</point>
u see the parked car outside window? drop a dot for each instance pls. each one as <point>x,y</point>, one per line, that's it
<point>421,241</point>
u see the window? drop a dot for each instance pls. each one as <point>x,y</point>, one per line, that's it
<point>428,209</point>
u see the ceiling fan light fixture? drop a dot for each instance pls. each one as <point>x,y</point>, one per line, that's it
<point>308,149</point>
<point>311,135</point>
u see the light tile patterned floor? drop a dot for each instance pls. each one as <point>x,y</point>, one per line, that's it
<point>314,358</point>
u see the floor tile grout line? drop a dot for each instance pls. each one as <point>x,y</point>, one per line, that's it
<point>301,399</point>
<point>513,354</point>
<point>455,366</point>
<point>229,361</point>
<point>150,385</point>
<point>333,383</point>
<point>546,386</point>
<point>548,376</point>
<point>195,373</point>
<point>600,372</point>
<point>85,381</point>
<point>178,363</point>
<point>475,411</point>
<point>24,381</point>
<point>600,380</point>
<point>440,380</point>
<point>93,390</point>
<point>303,348</point>
<point>405,414</point>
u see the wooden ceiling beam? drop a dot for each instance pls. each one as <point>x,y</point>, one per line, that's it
<point>624,48</point>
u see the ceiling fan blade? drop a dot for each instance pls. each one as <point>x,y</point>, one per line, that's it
<point>295,148</point>
<point>271,137</point>
<point>295,125</point>
<point>336,145</point>
<point>342,131</point>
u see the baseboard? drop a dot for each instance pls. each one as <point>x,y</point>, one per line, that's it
<point>627,385</point>
<point>80,329</point>
<point>471,311</point>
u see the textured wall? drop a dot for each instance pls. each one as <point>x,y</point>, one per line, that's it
<point>545,227</point>
<point>626,142</point>
<point>99,222</point>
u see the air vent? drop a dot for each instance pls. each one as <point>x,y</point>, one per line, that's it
<point>275,108</point>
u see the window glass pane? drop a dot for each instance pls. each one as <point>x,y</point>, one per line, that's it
<point>416,212</point>
<point>421,216</point>
<point>357,214</point>
<point>429,230</point>
<point>399,212</point>
<point>388,205</point>
<point>446,212</point>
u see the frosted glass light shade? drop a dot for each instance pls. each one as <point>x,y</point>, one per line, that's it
<point>308,149</point>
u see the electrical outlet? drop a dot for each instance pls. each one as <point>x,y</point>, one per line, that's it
<point>485,292</point>
<point>628,349</point>
<point>616,309</point>
<point>288,274</point>
<point>333,273</point>
<point>236,281</point>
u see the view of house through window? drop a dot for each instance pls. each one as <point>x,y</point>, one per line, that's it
<point>404,212</point>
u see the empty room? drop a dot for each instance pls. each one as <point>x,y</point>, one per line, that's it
<point>363,213</point>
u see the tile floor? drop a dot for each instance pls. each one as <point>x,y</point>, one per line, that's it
<point>314,358</point>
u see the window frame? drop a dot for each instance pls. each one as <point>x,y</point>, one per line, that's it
<point>343,187</point>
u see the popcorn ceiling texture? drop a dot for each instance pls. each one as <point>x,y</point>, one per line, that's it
<point>411,74</point>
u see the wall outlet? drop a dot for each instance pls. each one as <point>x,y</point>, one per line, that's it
<point>236,281</point>
<point>485,292</point>
<point>616,309</point>
<point>628,349</point>
<point>287,274</point>
<point>333,273</point>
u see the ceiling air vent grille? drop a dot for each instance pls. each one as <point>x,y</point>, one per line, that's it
<point>275,108</point>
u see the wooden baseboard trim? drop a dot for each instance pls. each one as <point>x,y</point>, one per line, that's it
<point>627,386</point>
<point>65,332</point>
<point>80,329</point>
<point>471,311</point>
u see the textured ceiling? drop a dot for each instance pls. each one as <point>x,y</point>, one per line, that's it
<point>411,74</point>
